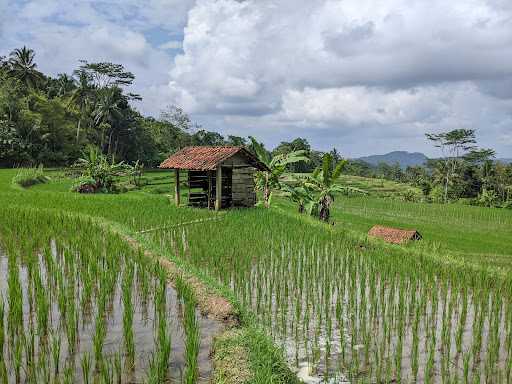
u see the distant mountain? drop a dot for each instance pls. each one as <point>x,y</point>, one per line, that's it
<point>403,158</point>
<point>506,161</point>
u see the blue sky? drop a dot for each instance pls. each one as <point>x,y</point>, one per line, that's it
<point>362,76</point>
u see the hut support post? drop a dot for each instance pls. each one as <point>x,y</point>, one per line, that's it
<point>218,189</point>
<point>177,187</point>
<point>209,189</point>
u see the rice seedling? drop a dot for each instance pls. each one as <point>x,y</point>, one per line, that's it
<point>85,363</point>
<point>191,332</point>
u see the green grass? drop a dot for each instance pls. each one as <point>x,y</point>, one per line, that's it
<point>479,235</point>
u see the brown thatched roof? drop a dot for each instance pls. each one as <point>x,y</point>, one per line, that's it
<point>394,235</point>
<point>208,158</point>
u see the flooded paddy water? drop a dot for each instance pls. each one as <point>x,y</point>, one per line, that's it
<point>83,317</point>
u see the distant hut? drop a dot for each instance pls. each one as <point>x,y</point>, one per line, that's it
<point>210,169</point>
<point>394,235</point>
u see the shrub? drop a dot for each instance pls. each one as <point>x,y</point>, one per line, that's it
<point>487,198</point>
<point>411,195</point>
<point>84,184</point>
<point>97,167</point>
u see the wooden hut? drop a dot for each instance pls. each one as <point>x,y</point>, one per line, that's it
<point>229,170</point>
<point>394,235</point>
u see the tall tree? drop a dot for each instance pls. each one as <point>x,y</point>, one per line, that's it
<point>105,74</point>
<point>23,67</point>
<point>82,97</point>
<point>453,145</point>
<point>107,111</point>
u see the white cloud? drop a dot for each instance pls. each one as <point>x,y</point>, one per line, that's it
<point>334,67</point>
<point>173,44</point>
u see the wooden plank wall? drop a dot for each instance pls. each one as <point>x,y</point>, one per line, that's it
<point>244,194</point>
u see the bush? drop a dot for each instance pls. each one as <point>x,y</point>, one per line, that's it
<point>30,176</point>
<point>487,198</point>
<point>437,194</point>
<point>411,195</point>
<point>96,167</point>
<point>84,184</point>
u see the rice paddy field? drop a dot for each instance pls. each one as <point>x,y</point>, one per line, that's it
<point>342,307</point>
<point>83,306</point>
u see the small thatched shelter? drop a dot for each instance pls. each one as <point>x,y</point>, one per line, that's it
<point>394,235</point>
<point>211,169</point>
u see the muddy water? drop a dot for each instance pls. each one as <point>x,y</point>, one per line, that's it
<point>144,332</point>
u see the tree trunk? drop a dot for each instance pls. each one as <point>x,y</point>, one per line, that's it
<point>78,129</point>
<point>324,210</point>
<point>301,208</point>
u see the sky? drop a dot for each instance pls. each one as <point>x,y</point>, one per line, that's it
<point>363,76</point>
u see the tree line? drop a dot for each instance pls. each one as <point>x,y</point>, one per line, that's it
<point>52,120</point>
<point>464,171</point>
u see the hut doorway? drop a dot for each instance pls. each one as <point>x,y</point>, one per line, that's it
<point>203,188</point>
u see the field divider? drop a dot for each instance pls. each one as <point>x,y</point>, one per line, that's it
<point>199,221</point>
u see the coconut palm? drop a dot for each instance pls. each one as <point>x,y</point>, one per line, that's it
<point>267,181</point>
<point>23,67</point>
<point>81,96</point>
<point>323,182</point>
<point>107,112</point>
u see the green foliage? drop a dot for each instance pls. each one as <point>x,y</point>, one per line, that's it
<point>322,183</point>
<point>52,120</point>
<point>487,198</point>
<point>271,179</point>
<point>411,195</point>
<point>437,194</point>
<point>99,173</point>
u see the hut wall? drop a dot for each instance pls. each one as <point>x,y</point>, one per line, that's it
<point>243,192</point>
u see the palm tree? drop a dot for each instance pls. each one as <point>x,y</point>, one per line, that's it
<point>107,112</point>
<point>65,84</point>
<point>23,67</point>
<point>323,183</point>
<point>81,96</point>
<point>271,180</point>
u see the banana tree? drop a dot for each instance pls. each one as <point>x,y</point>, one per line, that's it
<point>323,183</point>
<point>268,181</point>
<point>301,195</point>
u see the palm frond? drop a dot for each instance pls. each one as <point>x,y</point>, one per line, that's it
<point>261,152</point>
<point>340,167</point>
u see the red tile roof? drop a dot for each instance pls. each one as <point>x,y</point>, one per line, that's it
<point>394,235</point>
<point>207,158</point>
